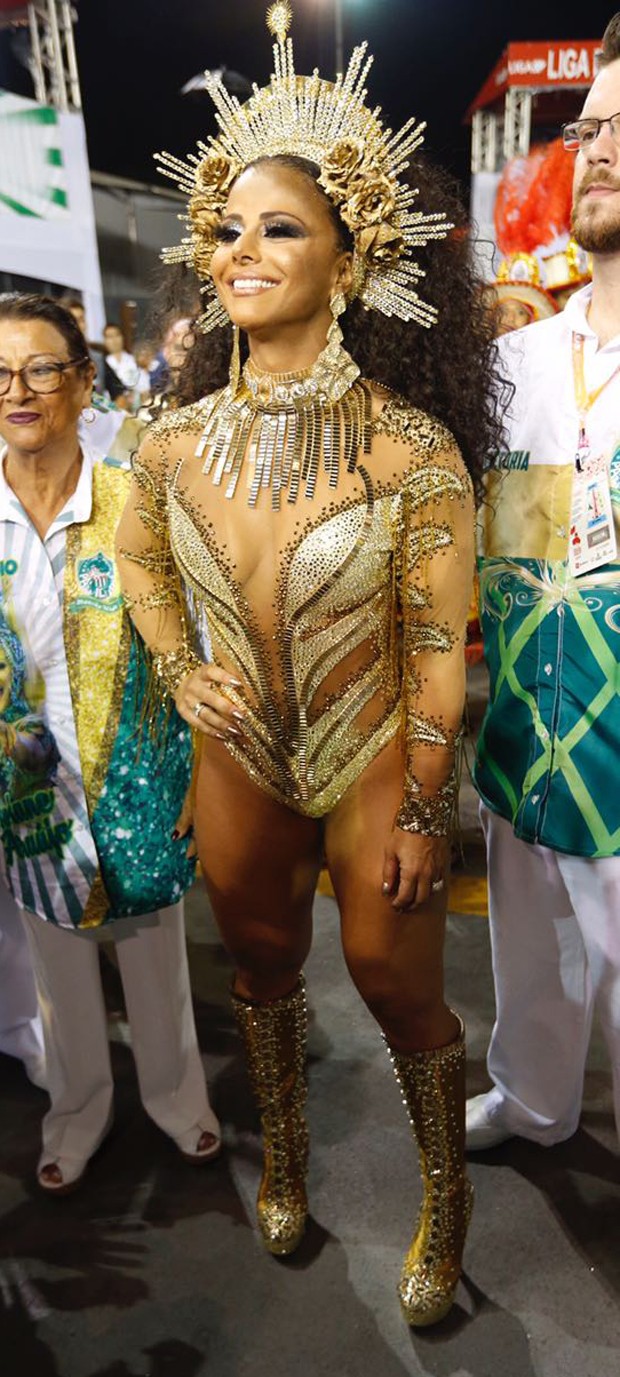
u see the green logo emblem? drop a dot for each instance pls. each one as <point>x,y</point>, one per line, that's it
<point>95,577</point>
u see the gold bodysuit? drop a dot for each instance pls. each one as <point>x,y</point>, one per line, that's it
<point>342,614</point>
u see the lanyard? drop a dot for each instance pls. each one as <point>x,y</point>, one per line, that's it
<point>592,537</point>
<point>585,400</point>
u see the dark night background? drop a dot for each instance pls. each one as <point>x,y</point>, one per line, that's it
<point>431,58</point>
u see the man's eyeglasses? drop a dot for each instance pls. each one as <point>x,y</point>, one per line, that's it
<point>581,133</point>
<point>38,377</point>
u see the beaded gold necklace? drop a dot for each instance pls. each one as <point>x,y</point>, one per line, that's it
<point>281,424</point>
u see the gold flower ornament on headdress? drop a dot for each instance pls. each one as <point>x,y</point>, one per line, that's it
<point>361,166</point>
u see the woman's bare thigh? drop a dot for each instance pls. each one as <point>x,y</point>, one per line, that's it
<point>395,958</point>
<point>260,861</point>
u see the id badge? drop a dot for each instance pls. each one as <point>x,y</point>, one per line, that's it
<point>592,540</point>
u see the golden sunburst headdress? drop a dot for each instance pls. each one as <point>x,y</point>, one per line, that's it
<point>361,166</point>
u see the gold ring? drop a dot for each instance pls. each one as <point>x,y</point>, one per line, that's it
<point>198,708</point>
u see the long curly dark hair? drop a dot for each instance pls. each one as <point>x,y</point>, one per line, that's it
<point>449,370</point>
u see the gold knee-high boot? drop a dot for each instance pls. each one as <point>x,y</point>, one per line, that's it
<point>433,1089</point>
<point>274,1035</point>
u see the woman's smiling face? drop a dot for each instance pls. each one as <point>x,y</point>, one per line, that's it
<point>278,260</point>
<point>29,421</point>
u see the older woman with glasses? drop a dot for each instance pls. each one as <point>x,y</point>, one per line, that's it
<point>89,803</point>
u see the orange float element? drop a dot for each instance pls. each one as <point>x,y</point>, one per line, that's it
<point>534,199</point>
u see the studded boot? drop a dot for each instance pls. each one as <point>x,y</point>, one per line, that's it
<point>274,1035</point>
<point>433,1090</point>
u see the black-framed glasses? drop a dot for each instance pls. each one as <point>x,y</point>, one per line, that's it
<point>38,377</point>
<point>581,133</point>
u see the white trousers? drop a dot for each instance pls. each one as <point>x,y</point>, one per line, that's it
<point>21,1034</point>
<point>152,958</point>
<point>555,942</point>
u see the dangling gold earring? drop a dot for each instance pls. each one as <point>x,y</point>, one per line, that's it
<point>234,372</point>
<point>337,307</point>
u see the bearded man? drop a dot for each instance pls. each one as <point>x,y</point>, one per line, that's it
<point>549,754</point>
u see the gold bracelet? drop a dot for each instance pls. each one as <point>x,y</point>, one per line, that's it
<point>431,816</point>
<point>171,666</point>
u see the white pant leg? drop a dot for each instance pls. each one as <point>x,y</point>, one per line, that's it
<point>594,888</point>
<point>152,958</point>
<point>66,967</point>
<point>21,1034</point>
<point>543,990</point>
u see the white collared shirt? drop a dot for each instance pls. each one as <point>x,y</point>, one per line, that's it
<point>543,419</point>
<point>125,367</point>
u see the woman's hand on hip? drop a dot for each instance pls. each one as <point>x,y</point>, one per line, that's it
<point>414,869</point>
<point>201,700</point>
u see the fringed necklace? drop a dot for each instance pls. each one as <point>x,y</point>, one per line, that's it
<point>283,424</point>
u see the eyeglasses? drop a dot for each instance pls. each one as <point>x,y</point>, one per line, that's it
<point>38,377</point>
<point>581,133</point>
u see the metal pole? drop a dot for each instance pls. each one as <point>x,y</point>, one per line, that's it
<point>338,36</point>
<point>58,82</point>
<point>37,69</point>
<point>67,16</point>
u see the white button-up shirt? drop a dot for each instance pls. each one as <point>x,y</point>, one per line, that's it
<point>542,419</point>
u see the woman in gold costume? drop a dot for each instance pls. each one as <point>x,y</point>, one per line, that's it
<point>318,528</point>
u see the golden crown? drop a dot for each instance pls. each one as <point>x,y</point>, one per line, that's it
<point>361,166</point>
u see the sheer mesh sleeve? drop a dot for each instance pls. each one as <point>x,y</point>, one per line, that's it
<point>149,578</point>
<point>435,580</point>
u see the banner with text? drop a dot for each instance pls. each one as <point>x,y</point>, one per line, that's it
<point>47,223</point>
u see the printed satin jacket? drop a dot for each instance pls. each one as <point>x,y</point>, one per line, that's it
<point>549,750</point>
<point>88,802</point>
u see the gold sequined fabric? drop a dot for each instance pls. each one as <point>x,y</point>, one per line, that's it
<point>433,1090</point>
<point>96,641</point>
<point>274,1036</point>
<point>341,614</point>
